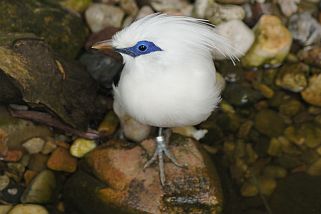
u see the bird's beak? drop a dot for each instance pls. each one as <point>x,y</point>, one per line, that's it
<point>103,45</point>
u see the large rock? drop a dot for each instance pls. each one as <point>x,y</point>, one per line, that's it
<point>99,16</point>
<point>31,72</point>
<point>124,187</point>
<point>41,189</point>
<point>217,13</point>
<point>64,31</point>
<point>272,43</point>
<point>17,131</point>
<point>240,36</point>
<point>305,28</point>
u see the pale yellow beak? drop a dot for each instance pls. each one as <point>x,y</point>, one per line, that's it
<point>103,45</point>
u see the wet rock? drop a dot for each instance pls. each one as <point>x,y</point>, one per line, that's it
<point>240,36</point>
<point>132,129</point>
<point>80,147</point>
<point>4,209</point>
<point>18,131</point>
<point>28,209</point>
<point>265,90</point>
<point>4,182</point>
<point>296,194</point>
<point>217,14</point>
<point>228,122</point>
<point>3,143</point>
<point>12,192</point>
<point>49,147</point>
<point>15,171</point>
<point>109,125</point>
<point>245,129</point>
<point>129,6</point>
<point>230,73</point>
<point>214,134</point>
<point>144,11</point>
<point>25,160</point>
<point>200,8</point>
<point>102,68</point>
<point>291,107</point>
<point>136,190</point>
<point>275,147</point>
<point>268,122</point>
<point>312,93</point>
<point>190,131</point>
<point>272,43</point>
<point>29,175</point>
<point>13,155</point>
<point>34,145</point>
<point>46,20</point>
<point>248,189</point>
<point>38,162</point>
<point>28,63</point>
<point>274,171</point>
<point>61,160</point>
<point>169,6</point>
<point>308,133</point>
<point>41,189</point>
<point>311,56</point>
<point>288,7</point>
<point>128,20</point>
<point>254,11</point>
<point>263,185</point>
<point>305,28</point>
<point>99,16</point>
<point>76,5</point>
<point>240,94</point>
<point>267,185</point>
<point>293,77</point>
<point>231,1</point>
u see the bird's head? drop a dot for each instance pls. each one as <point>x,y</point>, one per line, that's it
<point>160,37</point>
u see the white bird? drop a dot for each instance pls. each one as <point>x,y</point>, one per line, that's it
<point>168,79</point>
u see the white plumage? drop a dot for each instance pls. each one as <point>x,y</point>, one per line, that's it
<point>176,86</point>
<point>168,78</point>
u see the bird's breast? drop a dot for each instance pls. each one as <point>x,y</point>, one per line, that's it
<point>168,98</point>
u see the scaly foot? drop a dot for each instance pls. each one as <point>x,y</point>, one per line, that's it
<point>161,148</point>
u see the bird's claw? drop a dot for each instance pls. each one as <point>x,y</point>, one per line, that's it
<point>161,149</point>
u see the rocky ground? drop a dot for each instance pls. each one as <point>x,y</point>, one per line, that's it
<point>261,152</point>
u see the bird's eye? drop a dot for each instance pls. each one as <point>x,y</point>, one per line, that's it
<point>142,47</point>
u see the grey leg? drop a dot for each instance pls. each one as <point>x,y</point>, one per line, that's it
<point>161,149</point>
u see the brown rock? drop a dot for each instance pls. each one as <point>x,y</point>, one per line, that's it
<point>109,125</point>
<point>38,162</point>
<point>29,175</point>
<point>195,189</point>
<point>231,1</point>
<point>312,93</point>
<point>62,144</point>
<point>13,155</point>
<point>3,143</point>
<point>311,56</point>
<point>61,160</point>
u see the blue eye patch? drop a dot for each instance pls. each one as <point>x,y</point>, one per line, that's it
<point>141,48</point>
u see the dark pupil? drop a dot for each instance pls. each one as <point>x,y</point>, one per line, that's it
<point>142,47</point>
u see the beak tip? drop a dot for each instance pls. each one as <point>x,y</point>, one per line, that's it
<point>102,45</point>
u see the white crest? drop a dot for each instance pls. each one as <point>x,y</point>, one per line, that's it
<point>176,34</point>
